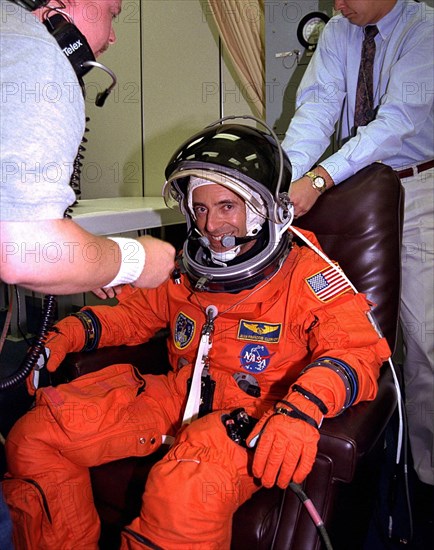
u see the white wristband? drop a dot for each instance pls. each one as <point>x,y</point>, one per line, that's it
<point>132,262</point>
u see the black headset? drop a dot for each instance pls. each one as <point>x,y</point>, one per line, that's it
<point>31,5</point>
<point>73,44</point>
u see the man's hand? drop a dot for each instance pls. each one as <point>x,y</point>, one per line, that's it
<point>302,195</point>
<point>159,264</point>
<point>68,336</point>
<point>286,447</point>
<point>285,451</point>
<point>108,292</point>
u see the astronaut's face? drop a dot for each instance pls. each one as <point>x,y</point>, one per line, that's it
<point>364,12</point>
<point>219,212</point>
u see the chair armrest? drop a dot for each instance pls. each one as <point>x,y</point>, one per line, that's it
<point>347,438</point>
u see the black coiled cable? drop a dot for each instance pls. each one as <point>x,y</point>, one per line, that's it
<point>75,181</point>
<point>33,353</point>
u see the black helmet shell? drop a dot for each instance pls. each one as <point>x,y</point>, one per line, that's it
<point>240,151</point>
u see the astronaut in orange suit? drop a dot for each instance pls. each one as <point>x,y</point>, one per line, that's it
<point>266,339</point>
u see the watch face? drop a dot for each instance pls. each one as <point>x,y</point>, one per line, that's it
<point>319,184</point>
<point>310,28</point>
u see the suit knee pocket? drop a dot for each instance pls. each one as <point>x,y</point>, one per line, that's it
<point>92,402</point>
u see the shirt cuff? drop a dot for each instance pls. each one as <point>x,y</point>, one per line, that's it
<point>338,167</point>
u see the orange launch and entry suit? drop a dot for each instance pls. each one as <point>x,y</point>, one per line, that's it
<point>266,335</point>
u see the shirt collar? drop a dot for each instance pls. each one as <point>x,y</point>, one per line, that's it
<point>388,22</point>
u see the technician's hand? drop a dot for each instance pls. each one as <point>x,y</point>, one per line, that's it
<point>302,195</point>
<point>159,264</point>
<point>108,292</point>
<point>120,292</point>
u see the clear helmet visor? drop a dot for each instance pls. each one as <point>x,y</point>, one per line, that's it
<point>249,163</point>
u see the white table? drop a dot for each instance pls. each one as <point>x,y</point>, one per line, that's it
<point>123,214</point>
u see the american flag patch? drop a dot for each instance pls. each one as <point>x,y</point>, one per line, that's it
<point>328,284</point>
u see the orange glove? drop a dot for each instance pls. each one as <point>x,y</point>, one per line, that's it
<point>68,335</point>
<point>286,446</point>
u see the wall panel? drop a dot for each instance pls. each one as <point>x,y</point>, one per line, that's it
<point>171,83</point>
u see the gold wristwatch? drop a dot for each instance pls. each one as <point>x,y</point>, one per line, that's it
<point>318,182</point>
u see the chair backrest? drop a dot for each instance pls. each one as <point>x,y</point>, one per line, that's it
<point>359,224</point>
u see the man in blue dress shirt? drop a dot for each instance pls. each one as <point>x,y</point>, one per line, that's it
<point>399,134</point>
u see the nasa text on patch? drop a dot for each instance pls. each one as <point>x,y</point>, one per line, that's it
<point>255,358</point>
<point>259,332</point>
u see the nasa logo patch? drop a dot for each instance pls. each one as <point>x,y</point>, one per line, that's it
<point>255,357</point>
<point>184,330</point>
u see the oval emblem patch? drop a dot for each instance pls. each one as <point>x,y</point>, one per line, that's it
<point>255,357</point>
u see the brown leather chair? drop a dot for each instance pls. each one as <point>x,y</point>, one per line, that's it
<point>359,224</point>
